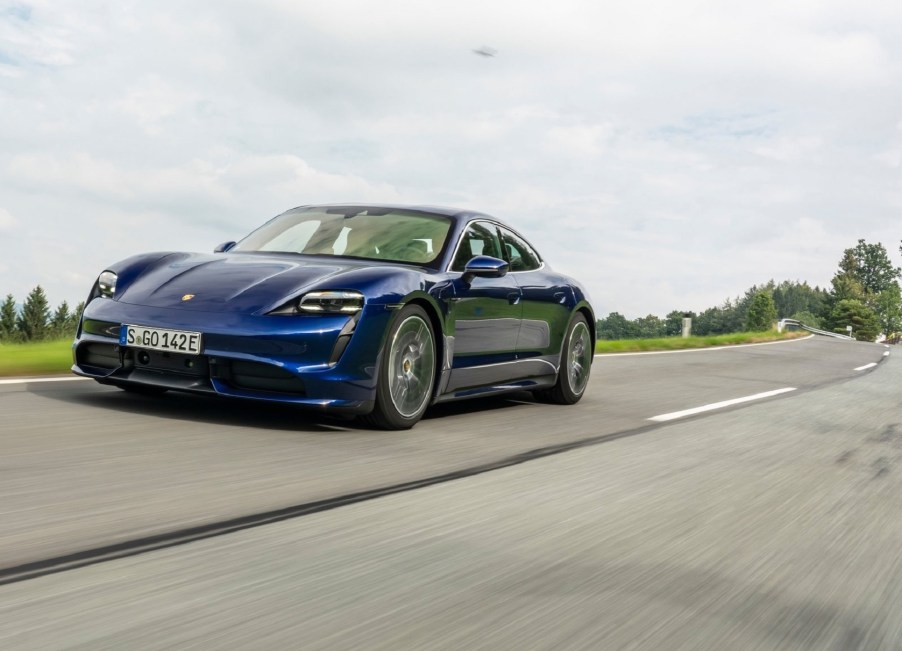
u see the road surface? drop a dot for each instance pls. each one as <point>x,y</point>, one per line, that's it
<point>131,522</point>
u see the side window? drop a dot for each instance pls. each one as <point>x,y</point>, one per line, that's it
<point>479,239</point>
<point>518,253</point>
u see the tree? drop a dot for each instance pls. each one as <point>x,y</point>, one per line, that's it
<point>846,283</point>
<point>873,268</point>
<point>75,317</point>
<point>59,322</point>
<point>8,319</point>
<point>761,313</point>
<point>850,312</point>
<point>845,288</point>
<point>616,326</point>
<point>792,297</point>
<point>32,322</point>
<point>865,272</point>
<point>889,309</point>
<point>731,315</point>
<point>709,322</point>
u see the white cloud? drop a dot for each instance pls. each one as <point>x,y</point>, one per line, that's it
<point>150,102</point>
<point>107,181</point>
<point>668,154</point>
<point>581,140</point>
<point>891,158</point>
<point>7,221</point>
<point>215,181</point>
<point>788,149</point>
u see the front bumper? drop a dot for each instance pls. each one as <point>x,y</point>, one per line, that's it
<point>316,361</point>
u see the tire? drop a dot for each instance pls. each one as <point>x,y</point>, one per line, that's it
<point>406,375</point>
<point>576,365</point>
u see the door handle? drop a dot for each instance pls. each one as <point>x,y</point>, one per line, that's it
<point>513,298</point>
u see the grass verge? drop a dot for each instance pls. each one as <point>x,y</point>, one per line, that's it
<point>44,358</point>
<point>679,343</point>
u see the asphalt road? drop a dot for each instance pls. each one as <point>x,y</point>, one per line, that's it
<point>771,524</point>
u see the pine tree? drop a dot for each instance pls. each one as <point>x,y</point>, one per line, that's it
<point>8,319</point>
<point>59,321</point>
<point>32,323</point>
<point>74,318</point>
<point>864,321</point>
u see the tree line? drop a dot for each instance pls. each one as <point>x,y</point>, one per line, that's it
<point>864,294</point>
<point>36,321</point>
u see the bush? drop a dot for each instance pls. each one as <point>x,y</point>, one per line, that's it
<point>762,313</point>
<point>808,319</point>
<point>851,312</point>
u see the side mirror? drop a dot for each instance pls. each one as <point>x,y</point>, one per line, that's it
<point>224,247</point>
<point>484,266</point>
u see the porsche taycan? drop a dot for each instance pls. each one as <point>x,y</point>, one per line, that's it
<point>373,310</point>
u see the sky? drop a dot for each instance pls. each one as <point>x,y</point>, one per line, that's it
<point>669,155</point>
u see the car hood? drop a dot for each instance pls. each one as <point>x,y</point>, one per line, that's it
<point>228,282</point>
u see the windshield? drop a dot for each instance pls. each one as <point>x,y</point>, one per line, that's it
<point>391,234</point>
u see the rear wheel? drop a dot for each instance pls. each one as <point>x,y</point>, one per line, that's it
<point>406,373</point>
<point>576,364</point>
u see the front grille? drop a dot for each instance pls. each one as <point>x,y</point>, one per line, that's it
<point>166,362</point>
<point>165,368</point>
<point>98,355</point>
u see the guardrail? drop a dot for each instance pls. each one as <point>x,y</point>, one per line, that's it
<point>798,324</point>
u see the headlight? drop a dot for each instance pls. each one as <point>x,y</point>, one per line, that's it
<point>106,284</point>
<point>328,302</point>
<point>331,302</point>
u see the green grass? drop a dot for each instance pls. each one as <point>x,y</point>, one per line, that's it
<point>44,358</point>
<point>55,357</point>
<point>679,343</point>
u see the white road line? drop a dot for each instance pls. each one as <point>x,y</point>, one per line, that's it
<point>886,354</point>
<point>719,405</point>
<point>702,350</point>
<point>29,380</point>
<point>866,366</point>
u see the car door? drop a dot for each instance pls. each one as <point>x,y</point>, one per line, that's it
<point>546,302</point>
<point>484,315</point>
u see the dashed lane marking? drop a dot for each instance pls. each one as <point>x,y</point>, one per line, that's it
<point>719,405</point>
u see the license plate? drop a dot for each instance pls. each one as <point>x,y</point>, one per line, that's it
<point>175,341</point>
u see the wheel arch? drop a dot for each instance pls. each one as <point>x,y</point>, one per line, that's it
<point>438,332</point>
<point>586,311</point>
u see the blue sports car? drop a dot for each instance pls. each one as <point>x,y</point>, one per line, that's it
<point>373,310</point>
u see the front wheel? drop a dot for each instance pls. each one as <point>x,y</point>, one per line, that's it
<point>406,372</point>
<point>576,364</point>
